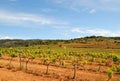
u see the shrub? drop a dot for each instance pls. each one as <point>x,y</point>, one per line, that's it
<point>113,68</point>
<point>85,62</point>
<point>63,63</point>
<point>115,58</point>
<point>116,68</point>
<point>110,73</point>
<point>103,61</point>
<point>13,55</point>
<point>33,57</point>
<point>92,59</point>
<point>54,60</point>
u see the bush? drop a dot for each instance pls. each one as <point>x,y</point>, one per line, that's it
<point>85,62</point>
<point>13,55</point>
<point>63,63</point>
<point>92,59</point>
<point>54,60</point>
<point>33,57</point>
<point>116,68</point>
<point>74,61</point>
<point>110,74</point>
<point>104,61</point>
<point>115,58</point>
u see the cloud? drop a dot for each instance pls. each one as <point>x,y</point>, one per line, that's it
<point>110,5</point>
<point>21,17</point>
<point>27,19</point>
<point>6,37</point>
<point>92,11</point>
<point>77,30</point>
<point>98,32</point>
<point>101,32</point>
<point>48,10</point>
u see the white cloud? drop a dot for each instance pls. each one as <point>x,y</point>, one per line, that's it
<point>14,37</point>
<point>99,32</point>
<point>110,5</point>
<point>92,11</point>
<point>21,17</point>
<point>6,37</point>
<point>48,10</point>
<point>12,18</point>
<point>77,30</point>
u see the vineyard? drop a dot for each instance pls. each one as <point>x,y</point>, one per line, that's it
<point>62,62</point>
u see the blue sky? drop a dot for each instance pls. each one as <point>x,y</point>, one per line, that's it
<point>58,19</point>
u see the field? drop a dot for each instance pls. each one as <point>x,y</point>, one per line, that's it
<point>61,62</point>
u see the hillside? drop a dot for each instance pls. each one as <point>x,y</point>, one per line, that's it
<point>91,41</point>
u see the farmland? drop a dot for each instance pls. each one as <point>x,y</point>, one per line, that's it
<point>82,59</point>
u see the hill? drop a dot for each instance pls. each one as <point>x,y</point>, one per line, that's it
<point>91,41</point>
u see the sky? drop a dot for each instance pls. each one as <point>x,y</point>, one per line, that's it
<point>59,19</point>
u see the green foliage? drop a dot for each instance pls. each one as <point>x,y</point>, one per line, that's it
<point>54,60</point>
<point>92,59</point>
<point>116,58</point>
<point>45,59</point>
<point>110,73</point>
<point>63,63</point>
<point>24,55</point>
<point>116,68</point>
<point>33,56</point>
<point>85,62</point>
<point>103,60</point>
<point>74,61</point>
<point>13,55</point>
